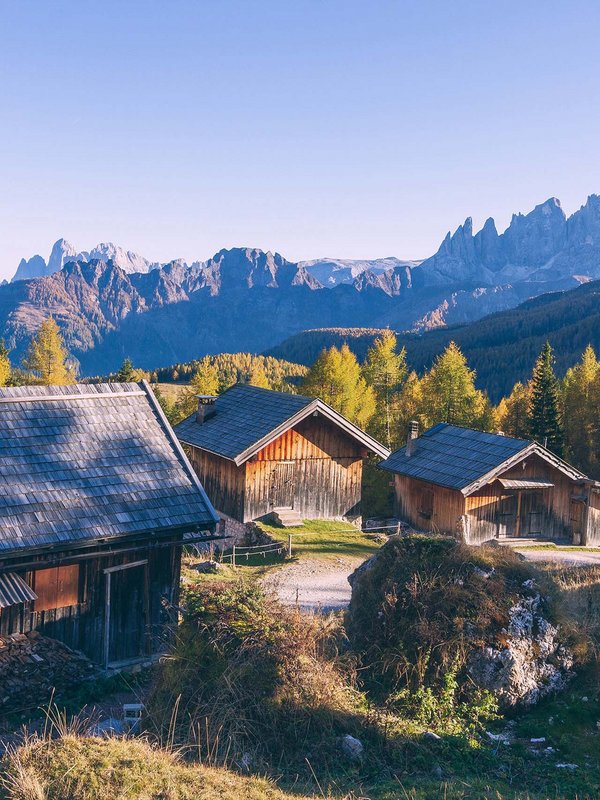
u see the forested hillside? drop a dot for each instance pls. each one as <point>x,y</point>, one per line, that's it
<point>502,347</point>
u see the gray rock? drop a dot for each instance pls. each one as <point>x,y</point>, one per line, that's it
<point>533,664</point>
<point>353,748</point>
<point>207,566</point>
<point>433,737</point>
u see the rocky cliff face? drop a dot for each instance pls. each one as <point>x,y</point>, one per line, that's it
<point>111,302</point>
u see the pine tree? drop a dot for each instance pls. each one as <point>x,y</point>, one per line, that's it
<point>449,393</point>
<point>512,413</point>
<point>5,367</point>
<point>47,356</point>
<point>545,423</point>
<point>336,378</point>
<point>580,411</point>
<point>385,371</point>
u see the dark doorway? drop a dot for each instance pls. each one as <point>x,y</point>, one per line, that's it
<point>283,485</point>
<point>126,604</point>
<point>507,516</point>
<point>532,514</point>
<point>577,521</point>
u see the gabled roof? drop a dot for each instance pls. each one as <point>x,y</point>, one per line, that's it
<point>89,462</point>
<point>466,459</point>
<point>248,418</point>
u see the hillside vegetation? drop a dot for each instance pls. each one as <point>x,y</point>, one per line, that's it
<point>501,347</point>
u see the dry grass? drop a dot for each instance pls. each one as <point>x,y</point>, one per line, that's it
<point>89,768</point>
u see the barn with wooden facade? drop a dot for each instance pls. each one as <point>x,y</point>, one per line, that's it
<point>259,452</point>
<point>483,486</point>
<point>96,498</point>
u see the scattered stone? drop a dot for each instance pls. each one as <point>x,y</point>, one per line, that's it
<point>483,573</point>
<point>437,772</point>
<point>431,736</point>
<point>207,566</point>
<point>504,737</point>
<point>549,750</point>
<point>541,740</point>
<point>566,766</point>
<point>353,748</point>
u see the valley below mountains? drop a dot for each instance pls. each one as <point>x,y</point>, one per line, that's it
<point>111,303</point>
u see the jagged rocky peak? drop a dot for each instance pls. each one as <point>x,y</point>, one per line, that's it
<point>533,238</point>
<point>33,267</point>
<point>62,252</point>
<point>126,259</point>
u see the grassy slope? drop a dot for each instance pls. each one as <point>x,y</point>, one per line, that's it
<point>77,768</point>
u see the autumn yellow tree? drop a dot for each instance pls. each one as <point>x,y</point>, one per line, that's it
<point>385,371</point>
<point>449,394</point>
<point>581,416</point>
<point>47,356</point>
<point>5,367</point>
<point>336,378</point>
<point>512,412</point>
<point>258,377</point>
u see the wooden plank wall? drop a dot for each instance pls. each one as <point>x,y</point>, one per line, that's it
<point>327,472</point>
<point>592,538</point>
<point>448,505</point>
<point>81,626</point>
<point>222,481</point>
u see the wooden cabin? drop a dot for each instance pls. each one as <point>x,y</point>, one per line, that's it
<point>482,486</point>
<point>259,452</point>
<point>96,498</point>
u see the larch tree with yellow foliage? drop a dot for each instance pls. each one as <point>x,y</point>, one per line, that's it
<point>5,366</point>
<point>47,357</point>
<point>336,378</point>
<point>581,414</point>
<point>449,393</point>
<point>385,371</point>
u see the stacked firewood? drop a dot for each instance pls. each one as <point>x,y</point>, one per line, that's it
<point>33,666</point>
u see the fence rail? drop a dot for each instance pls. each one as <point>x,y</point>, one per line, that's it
<point>263,550</point>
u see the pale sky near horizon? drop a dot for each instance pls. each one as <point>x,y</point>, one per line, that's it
<point>312,127</point>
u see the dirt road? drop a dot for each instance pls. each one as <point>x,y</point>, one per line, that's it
<point>314,584</point>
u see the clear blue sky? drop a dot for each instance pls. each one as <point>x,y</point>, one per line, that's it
<point>316,128</point>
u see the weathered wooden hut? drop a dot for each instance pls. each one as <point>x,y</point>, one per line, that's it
<point>259,452</point>
<point>96,498</point>
<point>481,486</point>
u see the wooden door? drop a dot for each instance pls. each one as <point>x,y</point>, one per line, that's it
<point>283,484</point>
<point>577,521</point>
<point>532,514</point>
<point>507,516</point>
<point>126,607</point>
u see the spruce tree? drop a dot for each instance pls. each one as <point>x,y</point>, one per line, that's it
<point>385,371</point>
<point>545,423</point>
<point>47,356</point>
<point>125,373</point>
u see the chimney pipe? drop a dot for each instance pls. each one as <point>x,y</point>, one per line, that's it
<point>206,407</point>
<point>413,435</point>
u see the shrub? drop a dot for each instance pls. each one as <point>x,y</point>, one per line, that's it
<point>248,676</point>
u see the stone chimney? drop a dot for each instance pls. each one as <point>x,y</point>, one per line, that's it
<point>413,435</point>
<point>206,407</point>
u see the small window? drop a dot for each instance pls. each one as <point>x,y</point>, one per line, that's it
<point>426,503</point>
<point>56,587</point>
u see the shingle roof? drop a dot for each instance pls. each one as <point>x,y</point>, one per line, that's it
<point>91,461</point>
<point>454,457</point>
<point>245,416</point>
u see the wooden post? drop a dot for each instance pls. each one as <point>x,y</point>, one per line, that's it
<point>107,619</point>
<point>289,549</point>
<point>233,556</point>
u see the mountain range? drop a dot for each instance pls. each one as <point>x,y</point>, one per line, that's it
<point>111,302</point>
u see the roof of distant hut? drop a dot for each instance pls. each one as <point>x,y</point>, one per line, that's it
<point>245,419</point>
<point>465,459</point>
<point>89,462</point>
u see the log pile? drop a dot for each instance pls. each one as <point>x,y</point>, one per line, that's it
<point>32,666</point>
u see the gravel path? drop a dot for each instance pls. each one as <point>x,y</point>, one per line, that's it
<point>567,557</point>
<point>314,584</point>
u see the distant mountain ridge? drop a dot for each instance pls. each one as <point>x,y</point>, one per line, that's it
<point>111,302</point>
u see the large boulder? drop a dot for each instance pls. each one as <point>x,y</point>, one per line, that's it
<point>427,606</point>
